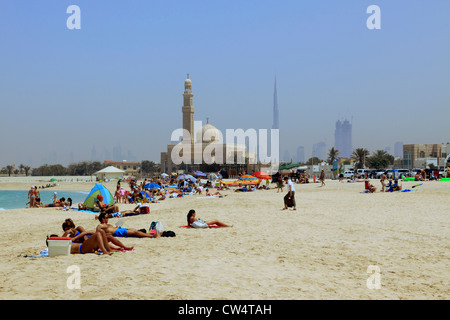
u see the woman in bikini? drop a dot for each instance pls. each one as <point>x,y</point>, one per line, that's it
<point>198,223</point>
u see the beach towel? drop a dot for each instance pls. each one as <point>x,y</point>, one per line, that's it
<point>210,227</point>
<point>76,209</point>
<point>207,197</point>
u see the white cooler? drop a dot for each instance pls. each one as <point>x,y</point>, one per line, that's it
<point>59,246</point>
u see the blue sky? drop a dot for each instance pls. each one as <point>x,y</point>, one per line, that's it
<point>118,81</point>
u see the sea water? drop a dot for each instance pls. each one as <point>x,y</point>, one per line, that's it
<point>17,199</point>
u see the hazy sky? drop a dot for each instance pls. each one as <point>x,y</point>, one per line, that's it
<point>118,81</point>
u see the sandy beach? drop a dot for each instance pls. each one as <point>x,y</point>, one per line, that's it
<point>321,251</point>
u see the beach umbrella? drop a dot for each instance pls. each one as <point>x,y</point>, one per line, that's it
<point>262,175</point>
<point>164,175</point>
<point>199,173</point>
<point>186,177</point>
<point>95,191</point>
<point>152,185</point>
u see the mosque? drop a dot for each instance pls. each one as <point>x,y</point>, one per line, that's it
<point>203,148</point>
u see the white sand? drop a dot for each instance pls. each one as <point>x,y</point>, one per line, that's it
<point>321,251</point>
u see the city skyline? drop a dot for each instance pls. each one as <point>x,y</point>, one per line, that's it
<point>115,82</point>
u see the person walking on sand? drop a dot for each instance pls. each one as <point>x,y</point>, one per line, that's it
<point>290,195</point>
<point>279,184</point>
<point>322,178</point>
<point>383,180</point>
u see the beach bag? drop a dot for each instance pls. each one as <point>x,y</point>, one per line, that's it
<point>289,202</point>
<point>168,234</point>
<point>199,224</point>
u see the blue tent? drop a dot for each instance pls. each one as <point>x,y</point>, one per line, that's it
<point>96,190</point>
<point>152,185</point>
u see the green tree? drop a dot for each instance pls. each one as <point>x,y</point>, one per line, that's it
<point>332,154</point>
<point>380,159</point>
<point>360,156</point>
<point>148,167</point>
<point>27,170</point>
<point>9,169</point>
<point>313,160</point>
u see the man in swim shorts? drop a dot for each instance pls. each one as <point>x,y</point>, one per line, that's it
<point>121,232</point>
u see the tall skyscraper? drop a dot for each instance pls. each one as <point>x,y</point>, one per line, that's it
<point>319,150</point>
<point>343,138</point>
<point>300,156</point>
<point>276,124</point>
<point>398,149</point>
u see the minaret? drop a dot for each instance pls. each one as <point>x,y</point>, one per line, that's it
<point>275,124</point>
<point>188,109</point>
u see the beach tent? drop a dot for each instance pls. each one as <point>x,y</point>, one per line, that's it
<point>110,172</point>
<point>152,185</point>
<point>95,191</point>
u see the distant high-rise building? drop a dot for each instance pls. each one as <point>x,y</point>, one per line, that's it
<point>319,150</point>
<point>388,150</point>
<point>343,138</point>
<point>117,153</point>
<point>286,156</point>
<point>276,124</point>
<point>300,156</point>
<point>398,149</point>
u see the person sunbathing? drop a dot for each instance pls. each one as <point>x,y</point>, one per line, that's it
<point>119,231</point>
<point>195,222</point>
<point>93,244</point>
<point>370,187</point>
<point>125,213</point>
<point>214,194</point>
<point>108,208</point>
<point>79,235</point>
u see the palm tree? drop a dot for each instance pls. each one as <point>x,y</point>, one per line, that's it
<point>10,169</point>
<point>380,159</point>
<point>332,154</point>
<point>360,155</point>
<point>26,169</point>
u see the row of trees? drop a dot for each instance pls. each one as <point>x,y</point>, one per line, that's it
<point>361,157</point>
<point>83,168</point>
<point>9,169</point>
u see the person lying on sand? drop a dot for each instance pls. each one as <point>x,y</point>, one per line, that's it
<point>198,223</point>
<point>125,213</point>
<point>93,244</point>
<point>214,194</point>
<point>79,235</point>
<point>121,232</point>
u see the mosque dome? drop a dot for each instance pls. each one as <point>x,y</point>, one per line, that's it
<point>208,133</point>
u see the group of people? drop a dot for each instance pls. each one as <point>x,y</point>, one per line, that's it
<point>104,239</point>
<point>34,200</point>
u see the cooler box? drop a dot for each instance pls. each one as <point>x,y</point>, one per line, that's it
<point>59,246</point>
<point>144,209</point>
